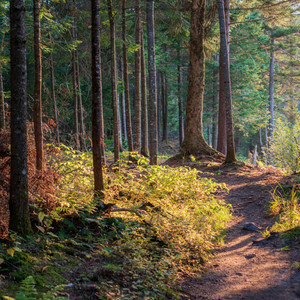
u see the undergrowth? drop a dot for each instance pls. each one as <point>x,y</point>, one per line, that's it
<point>285,205</point>
<point>151,225</point>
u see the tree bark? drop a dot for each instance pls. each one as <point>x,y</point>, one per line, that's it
<point>126,80</point>
<point>145,136</point>
<point>215,107</point>
<point>153,146</point>
<point>114,82</point>
<point>19,220</point>
<point>180,106</point>
<point>137,98</point>
<point>97,129</point>
<point>37,108</point>
<point>80,106</point>
<point>123,106</point>
<point>159,101</point>
<point>53,96</point>
<point>75,99</point>
<point>165,108</point>
<point>74,80</point>
<point>222,139</point>
<point>2,103</point>
<point>230,155</point>
<point>271,92</point>
<point>194,142</point>
<point>101,119</point>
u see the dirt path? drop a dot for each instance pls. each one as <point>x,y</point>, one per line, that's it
<point>248,266</point>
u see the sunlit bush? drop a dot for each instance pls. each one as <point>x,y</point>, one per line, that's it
<point>284,151</point>
<point>180,207</point>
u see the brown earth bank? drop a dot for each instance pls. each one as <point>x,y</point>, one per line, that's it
<point>247,266</point>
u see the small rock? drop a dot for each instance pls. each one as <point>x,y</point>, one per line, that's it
<point>249,256</point>
<point>250,226</point>
<point>239,274</point>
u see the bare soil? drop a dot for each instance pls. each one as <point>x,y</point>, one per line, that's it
<point>247,266</point>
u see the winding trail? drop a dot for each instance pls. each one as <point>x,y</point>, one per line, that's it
<point>248,266</point>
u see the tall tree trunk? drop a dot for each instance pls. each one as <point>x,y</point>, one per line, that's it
<point>222,139</point>
<point>260,140</point>
<point>114,82</point>
<point>75,99</point>
<point>165,109</point>
<point>145,136</point>
<point>126,80</point>
<point>119,113</point>
<point>97,130</point>
<point>215,107</point>
<point>53,96</point>
<point>271,91</point>
<point>137,98</point>
<point>209,138</point>
<point>19,220</point>
<point>153,146</point>
<point>52,85</point>
<point>37,108</point>
<point>74,80</point>
<point>101,120</point>
<point>194,142</point>
<point>123,106</point>
<point>79,102</point>
<point>162,102</point>
<point>180,106</point>
<point>159,101</point>
<point>2,104</point>
<point>230,155</point>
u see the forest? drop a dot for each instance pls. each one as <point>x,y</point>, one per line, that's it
<point>149,149</point>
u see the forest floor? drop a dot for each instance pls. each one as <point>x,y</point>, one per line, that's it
<point>247,266</point>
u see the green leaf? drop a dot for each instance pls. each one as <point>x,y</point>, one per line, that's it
<point>41,216</point>
<point>10,251</point>
<point>40,228</point>
<point>52,234</point>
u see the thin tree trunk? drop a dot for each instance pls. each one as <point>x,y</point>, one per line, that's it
<point>2,104</point>
<point>123,106</point>
<point>153,146</point>
<point>271,92</point>
<point>159,101</point>
<point>266,136</point>
<point>215,107</point>
<point>209,138</point>
<point>145,136</point>
<point>19,220</point>
<point>165,109</point>
<point>52,86</point>
<point>222,139</point>
<point>37,108</point>
<point>53,96</point>
<point>97,130</point>
<point>162,103</point>
<point>101,120</point>
<point>79,102</point>
<point>126,81</point>
<point>114,82</point>
<point>74,80</point>
<point>137,98</point>
<point>260,140</point>
<point>119,112</point>
<point>194,142</point>
<point>230,155</point>
<point>75,98</point>
<point>180,108</point>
